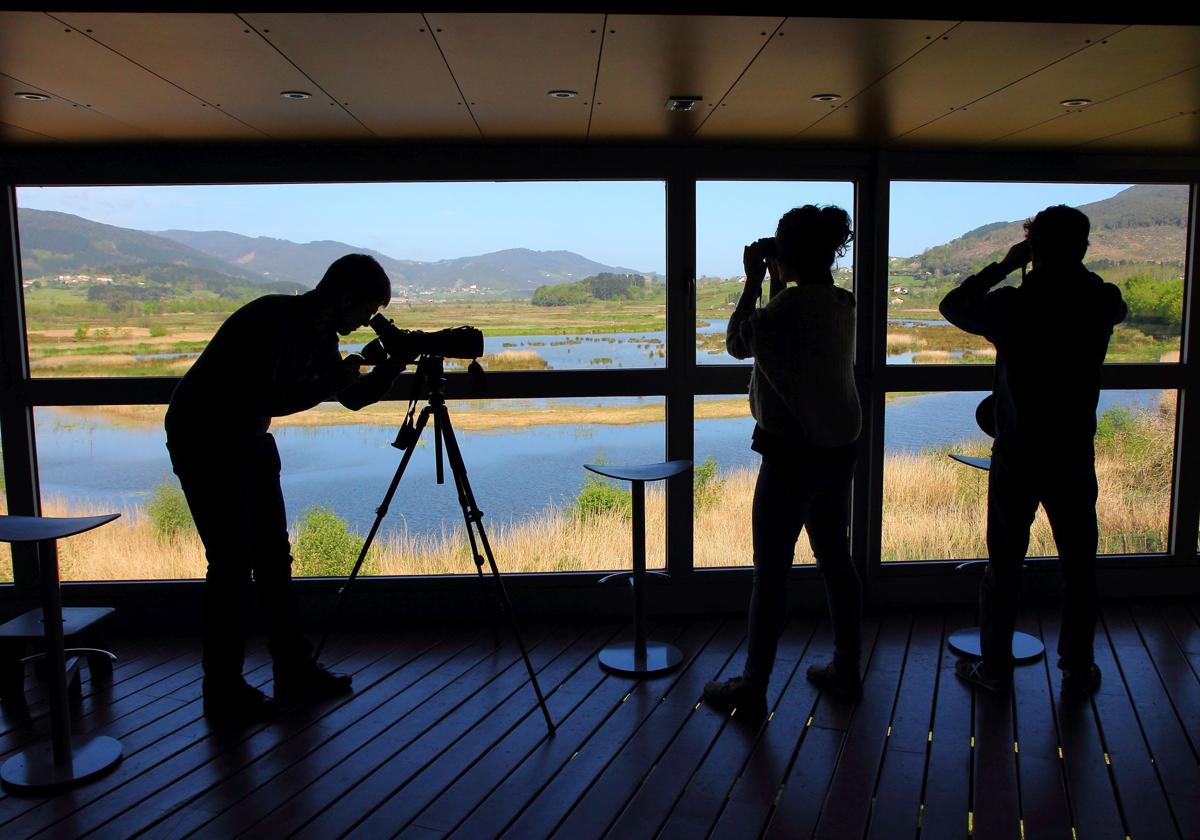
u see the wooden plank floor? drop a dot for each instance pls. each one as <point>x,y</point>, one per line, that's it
<point>442,738</point>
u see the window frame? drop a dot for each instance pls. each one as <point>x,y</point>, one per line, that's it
<point>870,172</point>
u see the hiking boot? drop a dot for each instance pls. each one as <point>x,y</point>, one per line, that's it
<point>1080,682</point>
<point>739,695</point>
<point>308,680</point>
<point>842,683</point>
<point>985,676</point>
<point>236,703</point>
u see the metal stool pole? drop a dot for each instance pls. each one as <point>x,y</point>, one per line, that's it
<point>641,657</point>
<point>68,760</point>
<point>965,641</point>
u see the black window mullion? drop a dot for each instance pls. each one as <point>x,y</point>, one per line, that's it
<point>1185,498</point>
<point>681,365</point>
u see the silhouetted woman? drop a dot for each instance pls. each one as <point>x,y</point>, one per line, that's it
<point>803,397</point>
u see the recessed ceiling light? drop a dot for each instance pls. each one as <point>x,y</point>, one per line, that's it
<point>296,94</point>
<point>1075,103</point>
<point>564,94</point>
<point>32,97</point>
<point>826,97</point>
<point>683,103</point>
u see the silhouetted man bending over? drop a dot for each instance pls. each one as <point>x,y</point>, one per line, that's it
<point>276,355</point>
<point>1051,333</point>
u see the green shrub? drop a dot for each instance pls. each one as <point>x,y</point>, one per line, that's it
<point>169,512</point>
<point>706,485</point>
<point>325,545</point>
<point>158,331</point>
<point>597,498</point>
<point>81,333</point>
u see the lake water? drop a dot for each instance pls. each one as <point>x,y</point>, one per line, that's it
<point>515,473</point>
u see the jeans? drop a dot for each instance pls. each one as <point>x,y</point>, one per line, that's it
<point>1068,493</point>
<point>786,499</point>
<point>234,495</point>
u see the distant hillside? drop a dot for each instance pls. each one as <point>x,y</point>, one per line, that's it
<point>1144,223</point>
<point>514,270</point>
<point>278,259</point>
<point>60,243</point>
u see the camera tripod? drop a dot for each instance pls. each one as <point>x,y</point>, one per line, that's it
<point>430,373</point>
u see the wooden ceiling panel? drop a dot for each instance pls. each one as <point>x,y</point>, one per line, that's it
<point>35,49</point>
<point>56,118</point>
<point>220,60</point>
<point>648,58</point>
<point>773,100</point>
<point>1175,96</point>
<point>15,134</point>
<point>959,66</point>
<point>1177,133</point>
<point>507,63</point>
<point>1029,112</point>
<point>384,68</point>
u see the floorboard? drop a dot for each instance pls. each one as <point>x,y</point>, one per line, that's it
<point>443,738</point>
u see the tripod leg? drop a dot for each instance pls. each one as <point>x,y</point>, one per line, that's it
<point>475,521</point>
<point>380,512</point>
<point>467,511</point>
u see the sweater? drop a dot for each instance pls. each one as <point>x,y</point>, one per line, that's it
<point>802,387</point>
<point>1051,334</point>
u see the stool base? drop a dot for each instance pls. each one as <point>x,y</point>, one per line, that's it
<point>621,659</point>
<point>1026,648</point>
<point>34,771</point>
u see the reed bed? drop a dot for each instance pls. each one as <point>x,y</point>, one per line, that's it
<point>933,508</point>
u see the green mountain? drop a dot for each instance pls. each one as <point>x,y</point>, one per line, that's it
<point>1141,224</point>
<point>59,243</point>
<point>518,270</point>
<point>277,259</point>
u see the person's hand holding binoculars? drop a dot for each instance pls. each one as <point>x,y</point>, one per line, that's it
<point>1017,257</point>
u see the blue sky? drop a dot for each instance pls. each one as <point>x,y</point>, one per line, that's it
<point>616,223</point>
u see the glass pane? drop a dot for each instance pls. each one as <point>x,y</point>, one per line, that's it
<point>129,281</point>
<point>524,459</point>
<point>942,232</point>
<point>936,509</point>
<point>6,566</point>
<point>731,215</point>
<point>726,470</point>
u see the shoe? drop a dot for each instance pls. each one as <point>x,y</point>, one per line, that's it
<point>236,703</point>
<point>308,680</point>
<point>842,683</point>
<point>979,673</point>
<point>737,695</point>
<point>1080,682</point>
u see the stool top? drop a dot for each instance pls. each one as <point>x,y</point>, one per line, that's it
<point>970,461</point>
<point>39,528</point>
<point>642,472</point>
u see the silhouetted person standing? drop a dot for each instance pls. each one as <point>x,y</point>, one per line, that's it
<point>1051,334</point>
<point>276,355</point>
<point>803,397</point>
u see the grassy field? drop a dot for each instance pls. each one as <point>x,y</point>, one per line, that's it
<point>934,508</point>
<point>68,337</point>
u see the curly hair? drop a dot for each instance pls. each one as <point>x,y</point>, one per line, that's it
<point>808,233</point>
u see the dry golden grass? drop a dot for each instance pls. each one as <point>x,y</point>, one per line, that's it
<point>933,508</point>
<point>475,416</point>
<point>902,343</point>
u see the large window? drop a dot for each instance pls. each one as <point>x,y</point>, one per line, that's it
<point>568,280</point>
<point>131,281</point>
